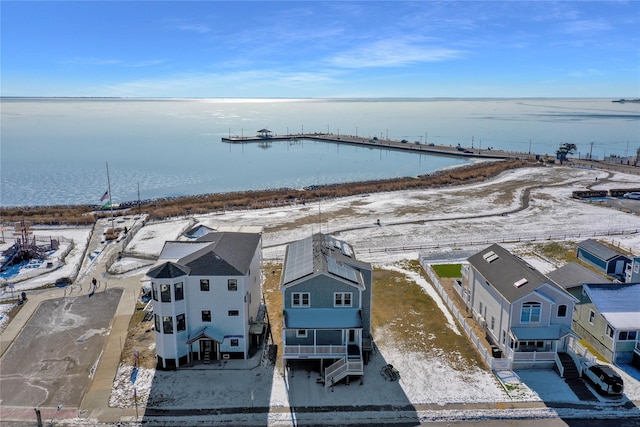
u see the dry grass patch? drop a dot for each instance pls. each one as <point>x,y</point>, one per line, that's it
<point>311,218</point>
<point>558,251</point>
<point>411,317</point>
<point>140,337</point>
<point>273,300</point>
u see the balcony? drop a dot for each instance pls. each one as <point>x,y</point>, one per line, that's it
<point>314,351</point>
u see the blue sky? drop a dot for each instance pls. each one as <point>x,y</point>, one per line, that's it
<point>320,49</point>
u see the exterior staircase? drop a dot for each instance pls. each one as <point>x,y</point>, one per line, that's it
<point>342,368</point>
<point>572,378</point>
<point>570,368</point>
<point>207,357</point>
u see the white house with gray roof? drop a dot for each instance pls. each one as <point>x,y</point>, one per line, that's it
<point>326,297</point>
<point>206,296</point>
<point>526,315</point>
<point>608,317</point>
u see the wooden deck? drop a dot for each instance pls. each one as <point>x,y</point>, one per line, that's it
<point>390,144</point>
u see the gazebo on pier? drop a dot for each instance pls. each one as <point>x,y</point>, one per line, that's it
<point>264,133</point>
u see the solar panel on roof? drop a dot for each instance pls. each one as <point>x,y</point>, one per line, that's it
<point>299,260</point>
<point>342,270</point>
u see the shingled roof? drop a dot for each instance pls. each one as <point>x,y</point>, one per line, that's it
<point>168,270</point>
<point>507,273</point>
<point>214,254</point>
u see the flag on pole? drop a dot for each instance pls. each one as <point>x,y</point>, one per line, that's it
<point>105,196</point>
<point>106,205</point>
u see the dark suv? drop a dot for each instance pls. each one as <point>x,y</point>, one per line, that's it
<point>605,379</point>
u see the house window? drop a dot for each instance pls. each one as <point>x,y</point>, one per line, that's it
<point>530,312</point>
<point>504,337</point>
<point>493,323</point>
<point>627,336</point>
<point>181,324</point>
<point>342,299</point>
<point>234,342</point>
<point>480,304</point>
<point>206,315</point>
<point>157,322</point>
<point>592,316</point>
<point>233,312</point>
<point>154,291</point>
<point>165,292</point>
<point>562,310</point>
<point>167,324</point>
<point>609,331</point>
<point>204,285</point>
<point>179,291</point>
<point>232,284</point>
<point>300,299</point>
<point>301,333</point>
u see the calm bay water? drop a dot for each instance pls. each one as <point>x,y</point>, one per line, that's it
<point>54,151</point>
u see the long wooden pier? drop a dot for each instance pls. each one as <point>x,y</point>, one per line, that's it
<point>391,144</point>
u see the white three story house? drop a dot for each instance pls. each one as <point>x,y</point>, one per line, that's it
<point>206,297</point>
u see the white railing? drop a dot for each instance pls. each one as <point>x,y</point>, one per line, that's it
<point>314,351</point>
<point>579,351</point>
<point>534,356</point>
<point>341,369</point>
<point>559,365</point>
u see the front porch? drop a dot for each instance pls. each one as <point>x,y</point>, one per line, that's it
<point>322,334</point>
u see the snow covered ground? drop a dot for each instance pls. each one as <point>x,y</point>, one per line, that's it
<point>452,220</point>
<point>447,222</point>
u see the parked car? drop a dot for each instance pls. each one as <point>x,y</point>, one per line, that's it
<point>61,282</point>
<point>604,378</point>
<point>634,195</point>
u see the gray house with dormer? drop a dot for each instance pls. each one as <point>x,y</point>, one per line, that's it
<point>326,299</point>
<point>525,314</point>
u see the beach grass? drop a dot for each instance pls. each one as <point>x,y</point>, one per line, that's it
<point>202,204</point>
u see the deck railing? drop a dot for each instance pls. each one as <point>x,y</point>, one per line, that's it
<point>342,368</point>
<point>314,351</point>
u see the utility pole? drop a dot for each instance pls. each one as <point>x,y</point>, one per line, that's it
<point>591,151</point>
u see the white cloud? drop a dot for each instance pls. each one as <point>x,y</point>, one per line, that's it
<point>392,52</point>
<point>586,73</point>
<point>585,27</point>
<point>111,62</point>
<point>245,83</point>
<point>196,28</point>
